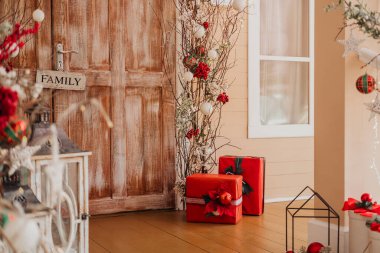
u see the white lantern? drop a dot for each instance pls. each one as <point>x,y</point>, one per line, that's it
<point>75,183</point>
<point>206,108</point>
<point>199,31</point>
<point>213,54</point>
<point>239,5</point>
<point>38,15</point>
<point>188,76</point>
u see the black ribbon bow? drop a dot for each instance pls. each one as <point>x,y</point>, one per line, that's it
<point>239,171</point>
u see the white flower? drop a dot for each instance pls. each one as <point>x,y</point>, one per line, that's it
<point>37,89</point>
<point>199,31</point>
<point>38,15</point>
<point>188,76</point>
<point>206,108</point>
<point>213,54</point>
<point>239,5</point>
<point>20,91</point>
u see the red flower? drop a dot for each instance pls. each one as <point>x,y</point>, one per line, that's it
<point>8,105</point>
<point>223,98</point>
<point>366,197</point>
<point>202,71</point>
<point>192,133</point>
<point>206,25</point>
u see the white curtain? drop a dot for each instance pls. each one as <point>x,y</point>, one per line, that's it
<point>284,85</point>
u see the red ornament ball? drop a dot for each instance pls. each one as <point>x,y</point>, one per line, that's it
<point>206,25</point>
<point>315,247</point>
<point>201,50</point>
<point>16,130</point>
<point>366,197</point>
<point>225,198</point>
<point>366,84</point>
<point>190,62</point>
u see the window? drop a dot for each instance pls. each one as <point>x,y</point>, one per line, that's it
<point>281,69</point>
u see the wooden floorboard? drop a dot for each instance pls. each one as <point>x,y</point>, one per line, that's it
<point>168,231</point>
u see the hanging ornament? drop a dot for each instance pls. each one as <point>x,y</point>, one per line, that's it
<point>200,50</point>
<point>212,54</point>
<point>199,31</point>
<point>188,76</point>
<point>38,15</point>
<point>190,62</point>
<point>351,45</point>
<point>366,84</point>
<point>315,247</point>
<point>206,25</point>
<point>13,134</point>
<point>206,108</point>
<point>239,5</point>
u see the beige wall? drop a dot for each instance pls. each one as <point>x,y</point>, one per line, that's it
<point>359,133</point>
<point>343,134</point>
<point>290,161</point>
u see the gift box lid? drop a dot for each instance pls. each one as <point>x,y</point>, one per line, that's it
<point>198,185</point>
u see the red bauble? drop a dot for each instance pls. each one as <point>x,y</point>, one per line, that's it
<point>225,198</point>
<point>315,247</point>
<point>190,62</point>
<point>366,197</point>
<point>206,25</point>
<point>366,84</point>
<point>15,131</point>
<point>201,51</point>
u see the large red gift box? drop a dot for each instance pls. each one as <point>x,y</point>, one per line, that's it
<point>207,198</point>
<point>253,171</point>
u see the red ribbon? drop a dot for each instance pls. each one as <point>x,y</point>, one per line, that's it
<point>354,205</point>
<point>375,227</point>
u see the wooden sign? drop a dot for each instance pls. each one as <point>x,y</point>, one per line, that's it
<point>61,80</point>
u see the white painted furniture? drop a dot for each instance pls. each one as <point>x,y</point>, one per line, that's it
<point>375,242</point>
<point>358,233</point>
<point>75,185</point>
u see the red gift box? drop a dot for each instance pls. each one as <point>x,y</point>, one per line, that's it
<point>206,198</point>
<point>253,171</point>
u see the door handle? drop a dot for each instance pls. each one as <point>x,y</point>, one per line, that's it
<point>60,53</point>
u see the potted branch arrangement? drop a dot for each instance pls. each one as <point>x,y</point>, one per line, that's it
<point>207,31</point>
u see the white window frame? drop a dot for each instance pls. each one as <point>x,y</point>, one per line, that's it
<point>255,129</point>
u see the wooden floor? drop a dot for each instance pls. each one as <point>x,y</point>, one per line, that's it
<point>167,231</point>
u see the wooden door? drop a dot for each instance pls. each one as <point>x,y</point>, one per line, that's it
<point>120,44</point>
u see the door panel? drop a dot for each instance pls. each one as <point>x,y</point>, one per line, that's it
<point>121,52</point>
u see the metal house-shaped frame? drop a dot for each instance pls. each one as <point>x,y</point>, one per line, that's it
<point>325,212</point>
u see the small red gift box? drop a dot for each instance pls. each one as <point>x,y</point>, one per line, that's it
<point>214,198</point>
<point>253,171</point>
